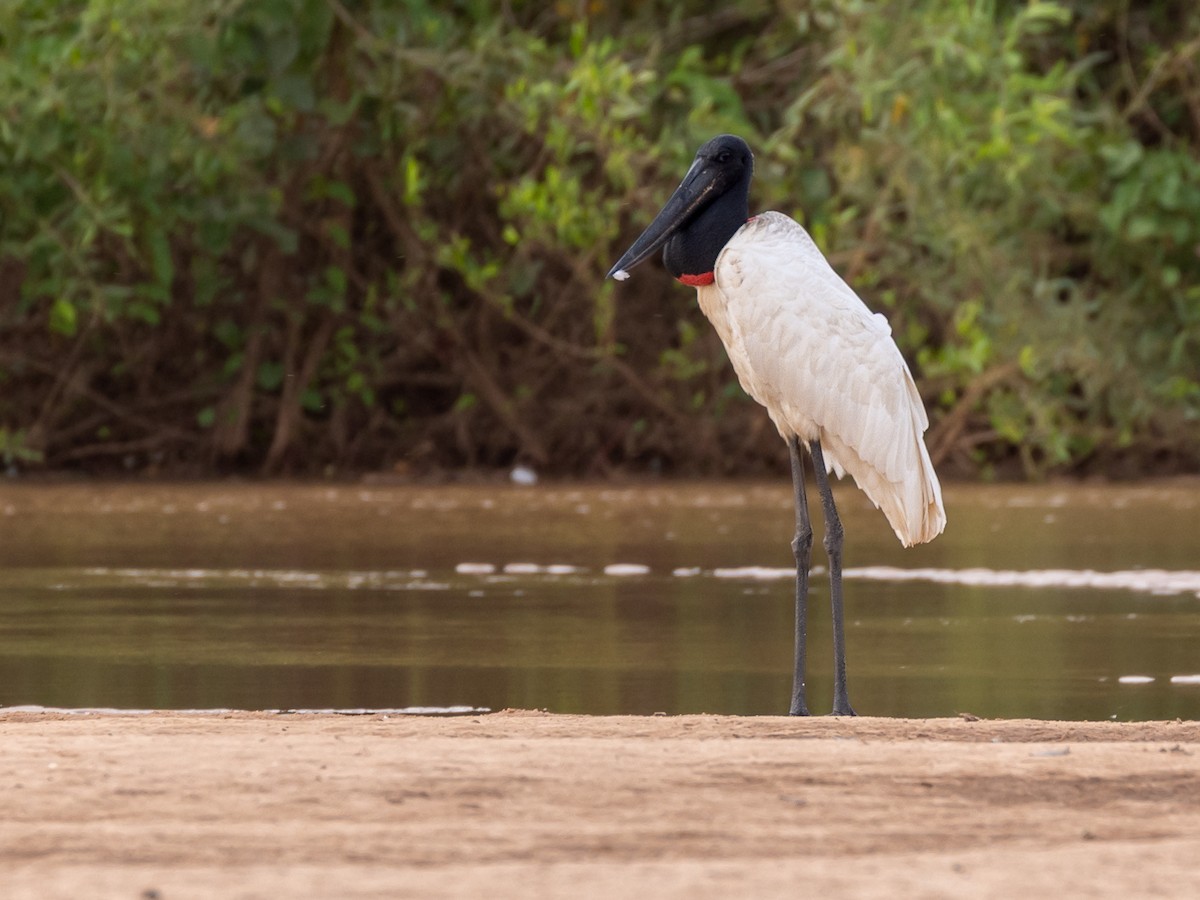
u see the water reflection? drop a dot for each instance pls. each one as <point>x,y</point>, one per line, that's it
<point>590,599</point>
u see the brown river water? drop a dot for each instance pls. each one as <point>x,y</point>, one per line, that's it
<point>1049,601</point>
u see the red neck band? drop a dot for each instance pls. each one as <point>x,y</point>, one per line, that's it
<point>697,280</point>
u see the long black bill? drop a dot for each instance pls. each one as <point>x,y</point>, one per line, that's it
<point>692,194</point>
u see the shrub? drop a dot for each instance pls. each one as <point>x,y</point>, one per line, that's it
<point>311,235</point>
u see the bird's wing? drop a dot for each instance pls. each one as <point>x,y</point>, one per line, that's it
<point>806,347</point>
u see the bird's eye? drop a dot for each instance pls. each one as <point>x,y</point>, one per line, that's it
<point>724,156</point>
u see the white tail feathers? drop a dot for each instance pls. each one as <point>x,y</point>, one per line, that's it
<point>913,505</point>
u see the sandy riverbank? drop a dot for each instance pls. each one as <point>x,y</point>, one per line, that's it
<point>177,805</point>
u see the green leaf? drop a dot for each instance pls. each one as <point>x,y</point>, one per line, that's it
<point>63,317</point>
<point>160,257</point>
<point>270,376</point>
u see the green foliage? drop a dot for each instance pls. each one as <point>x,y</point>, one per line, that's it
<point>1041,251</point>
<point>295,234</point>
<point>14,450</point>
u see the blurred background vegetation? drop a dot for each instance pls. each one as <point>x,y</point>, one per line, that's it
<point>327,236</point>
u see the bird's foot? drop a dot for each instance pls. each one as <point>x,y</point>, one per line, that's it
<point>843,708</point>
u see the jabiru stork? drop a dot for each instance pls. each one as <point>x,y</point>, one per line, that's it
<point>807,348</point>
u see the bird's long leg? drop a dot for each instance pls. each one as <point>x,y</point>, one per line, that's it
<point>802,550</point>
<point>833,547</point>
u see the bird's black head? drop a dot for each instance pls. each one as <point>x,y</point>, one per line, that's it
<point>707,208</point>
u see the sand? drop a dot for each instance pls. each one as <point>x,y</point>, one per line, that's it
<point>525,804</point>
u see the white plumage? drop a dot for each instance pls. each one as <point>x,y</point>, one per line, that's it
<point>807,348</point>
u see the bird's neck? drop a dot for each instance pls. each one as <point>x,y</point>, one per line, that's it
<point>691,253</point>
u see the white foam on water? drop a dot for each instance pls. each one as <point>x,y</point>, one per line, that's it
<point>269,578</point>
<point>1185,679</point>
<point>756,573</point>
<point>1157,582</point>
<point>622,570</point>
<point>470,568</point>
<point>528,568</point>
<point>1151,581</point>
<point>1135,679</point>
<point>522,568</point>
